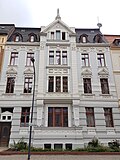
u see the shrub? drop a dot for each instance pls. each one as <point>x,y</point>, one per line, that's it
<point>20,145</point>
<point>94,143</point>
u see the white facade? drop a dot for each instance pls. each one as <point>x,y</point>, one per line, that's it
<point>77,132</point>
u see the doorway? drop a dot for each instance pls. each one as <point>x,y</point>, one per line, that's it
<point>5,128</point>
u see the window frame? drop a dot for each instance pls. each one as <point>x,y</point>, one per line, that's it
<point>28,83</point>
<point>90,116</point>
<point>14,58</point>
<point>108,117</point>
<point>104,86</point>
<point>57,116</point>
<point>10,86</point>
<point>87,85</point>
<point>26,116</point>
<point>28,58</point>
<point>101,59</point>
<point>85,60</point>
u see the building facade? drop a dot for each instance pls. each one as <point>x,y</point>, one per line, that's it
<point>75,93</point>
<point>114,41</point>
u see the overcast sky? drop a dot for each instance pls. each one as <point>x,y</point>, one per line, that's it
<point>75,13</point>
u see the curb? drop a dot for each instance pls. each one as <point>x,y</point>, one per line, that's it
<point>59,153</point>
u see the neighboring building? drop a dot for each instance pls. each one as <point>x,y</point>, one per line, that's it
<point>5,31</point>
<point>114,41</point>
<point>75,94</point>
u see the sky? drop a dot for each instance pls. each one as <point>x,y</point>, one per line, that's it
<point>75,13</point>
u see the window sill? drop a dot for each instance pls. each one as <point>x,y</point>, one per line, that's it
<point>10,65</point>
<point>9,94</point>
<point>26,94</point>
<point>104,95</point>
<point>88,94</point>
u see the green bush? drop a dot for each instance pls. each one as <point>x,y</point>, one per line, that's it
<point>20,145</point>
<point>114,144</point>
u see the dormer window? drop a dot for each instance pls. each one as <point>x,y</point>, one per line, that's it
<point>32,38</point>
<point>17,38</point>
<point>98,39</point>
<point>83,39</point>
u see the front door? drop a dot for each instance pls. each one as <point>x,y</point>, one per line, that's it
<point>5,128</point>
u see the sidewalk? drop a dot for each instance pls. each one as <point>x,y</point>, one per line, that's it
<point>3,149</point>
<point>61,157</point>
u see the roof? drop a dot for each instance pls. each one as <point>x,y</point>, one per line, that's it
<point>5,29</point>
<point>90,32</point>
<point>24,32</point>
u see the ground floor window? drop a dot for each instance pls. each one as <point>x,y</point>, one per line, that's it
<point>58,146</point>
<point>25,113</point>
<point>68,146</point>
<point>57,117</point>
<point>108,117</point>
<point>90,117</point>
<point>47,146</point>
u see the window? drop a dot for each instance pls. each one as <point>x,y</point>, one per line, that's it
<point>14,58</point>
<point>51,84</point>
<point>28,85</point>
<point>57,117</point>
<point>58,36</point>
<point>101,59</point>
<point>32,38</point>
<point>98,39</point>
<point>25,114</point>
<point>84,39</point>
<point>52,35</point>
<point>17,38</point>
<point>108,117</point>
<point>87,85</point>
<point>58,57</point>
<point>68,146</point>
<point>58,146</point>
<point>51,57</point>
<point>63,35</point>
<point>90,117</point>
<point>28,60</point>
<point>104,85</point>
<point>47,146</point>
<point>65,84</point>
<point>58,84</point>
<point>85,60</point>
<point>10,85</point>
<point>64,57</point>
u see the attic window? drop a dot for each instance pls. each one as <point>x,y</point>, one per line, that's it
<point>58,35</point>
<point>17,38</point>
<point>98,39</point>
<point>63,35</point>
<point>32,38</point>
<point>83,39</point>
<point>52,35</point>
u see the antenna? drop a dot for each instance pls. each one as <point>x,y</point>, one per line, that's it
<point>99,24</point>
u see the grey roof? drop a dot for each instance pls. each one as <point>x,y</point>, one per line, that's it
<point>6,29</point>
<point>24,32</point>
<point>90,33</point>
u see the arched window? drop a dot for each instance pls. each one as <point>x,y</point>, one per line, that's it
<point>98,39</point>
<point>83,38</point>
<point>32,37</point>
<point>17,37</point>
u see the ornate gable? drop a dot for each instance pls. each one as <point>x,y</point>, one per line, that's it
<point>57,24</point>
